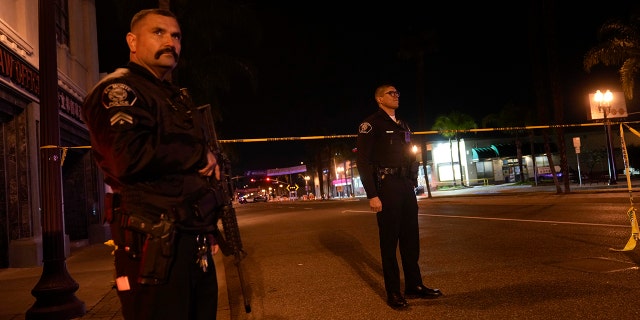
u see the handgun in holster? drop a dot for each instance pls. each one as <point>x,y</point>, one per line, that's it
<point>128,242</point>
<point>158,249</point>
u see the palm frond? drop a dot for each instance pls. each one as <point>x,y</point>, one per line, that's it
<point>620,47</point>
<point>629,69</point>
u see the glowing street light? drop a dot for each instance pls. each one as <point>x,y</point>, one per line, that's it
<point>604,105</point>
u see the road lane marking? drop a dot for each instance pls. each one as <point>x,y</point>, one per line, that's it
<point>525,220</point>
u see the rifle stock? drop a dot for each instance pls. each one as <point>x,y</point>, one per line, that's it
<point>229,239</point>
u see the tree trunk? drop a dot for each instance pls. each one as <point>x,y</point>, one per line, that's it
<point>552,167</point>
<point>539,18</point>
<point>533,156</point>
<point>460,164</point>
<point>453,168</point>
<point>519,155</point>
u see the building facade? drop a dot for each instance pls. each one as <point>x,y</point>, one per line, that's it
<point>494,160</point>
<point>20,195</point>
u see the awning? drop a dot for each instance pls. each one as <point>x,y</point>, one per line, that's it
<point>509,150</point>
<point>483,153</point>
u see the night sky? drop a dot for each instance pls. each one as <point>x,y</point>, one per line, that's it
<point>317,67</point>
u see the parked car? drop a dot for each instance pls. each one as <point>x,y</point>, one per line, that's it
<point>260,198</point>
<point>242,200</point>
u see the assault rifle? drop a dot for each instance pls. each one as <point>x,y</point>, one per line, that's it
<point>229,239</point>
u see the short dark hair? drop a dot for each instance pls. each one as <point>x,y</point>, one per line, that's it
<point>145,12</point>
<point>381,88</point>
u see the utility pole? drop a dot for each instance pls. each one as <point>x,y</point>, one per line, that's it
<point>55,291</point>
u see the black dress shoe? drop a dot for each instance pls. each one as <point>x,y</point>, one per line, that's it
<point>396,301</point>
<point>422,292</point>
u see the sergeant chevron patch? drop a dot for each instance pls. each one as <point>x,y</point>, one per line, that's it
<point>121,118</point>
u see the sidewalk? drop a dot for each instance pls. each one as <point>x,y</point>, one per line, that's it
<point>511,188</point>
<point>91,266</point>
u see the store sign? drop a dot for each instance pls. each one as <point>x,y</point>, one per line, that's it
<point>22,74</point>
<point>18,71</point>
<point>69,104</point>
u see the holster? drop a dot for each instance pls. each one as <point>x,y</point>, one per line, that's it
<point>125,239</point>
<point>158,249</point>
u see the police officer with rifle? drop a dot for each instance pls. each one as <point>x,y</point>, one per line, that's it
<point>148,140</point>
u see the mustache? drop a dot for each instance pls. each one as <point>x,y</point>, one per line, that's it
<point>167,50</point>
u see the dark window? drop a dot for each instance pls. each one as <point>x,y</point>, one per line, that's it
<point>62,22</point>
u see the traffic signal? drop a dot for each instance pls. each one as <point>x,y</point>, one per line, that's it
<point>268,179</point>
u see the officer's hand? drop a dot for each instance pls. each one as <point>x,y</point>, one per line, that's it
<point>212,167</point>
<point>215,248</point>
<point>375,204</point>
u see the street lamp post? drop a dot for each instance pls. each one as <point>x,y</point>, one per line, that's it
<point>306,184</point>
<point>604,106</point>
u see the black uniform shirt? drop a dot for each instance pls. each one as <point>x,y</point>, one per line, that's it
<point>144,132</point>
<point>381,143</point>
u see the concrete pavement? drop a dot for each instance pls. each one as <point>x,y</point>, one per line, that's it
<point>91,266</point>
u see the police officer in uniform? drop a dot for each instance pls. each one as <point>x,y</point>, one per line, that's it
<point>388,170</point>
<point>149,142</point>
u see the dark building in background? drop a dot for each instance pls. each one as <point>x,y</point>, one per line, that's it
<point>20,196</point>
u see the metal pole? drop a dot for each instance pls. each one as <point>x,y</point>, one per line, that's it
<point>579,174</point>
<point>612,167</point>
<point>423,147</point>
<point>54,292</point>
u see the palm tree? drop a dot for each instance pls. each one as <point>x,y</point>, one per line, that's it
<point>620,47</point>
<point>414,47</point>
<point>542,41</point>
<point>449,126</point>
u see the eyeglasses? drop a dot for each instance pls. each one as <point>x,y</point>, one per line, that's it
<point>394,94</point>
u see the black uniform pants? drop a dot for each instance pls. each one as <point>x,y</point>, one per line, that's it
<point>189,294</point>
<point>398,226</point>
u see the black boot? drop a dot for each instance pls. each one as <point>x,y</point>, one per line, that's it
<point>396,301</point>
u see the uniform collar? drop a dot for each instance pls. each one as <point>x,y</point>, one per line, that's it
<point>145,73</point>
<point>398,122</point>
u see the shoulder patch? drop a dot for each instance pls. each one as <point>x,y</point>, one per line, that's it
<point>118,95</point>
<point>365,127</point>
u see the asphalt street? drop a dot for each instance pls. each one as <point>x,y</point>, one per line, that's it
<point>320,261</point>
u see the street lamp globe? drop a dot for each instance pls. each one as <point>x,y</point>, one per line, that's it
<point>603,100</point>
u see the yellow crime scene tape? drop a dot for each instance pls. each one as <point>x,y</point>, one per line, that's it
<point>64,150</point>
<point>631,213</point>
<point>342,136</point>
